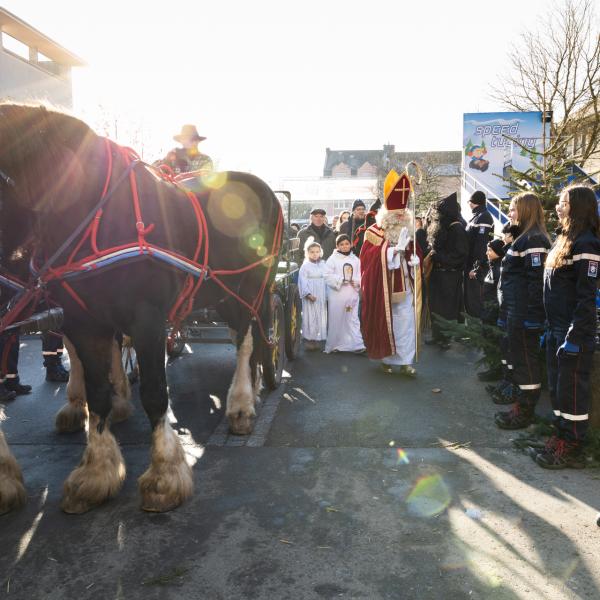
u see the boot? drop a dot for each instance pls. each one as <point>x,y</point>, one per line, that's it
<point>13,384</point>
<point>494,390</point>
<point>6,395</point>
<point>533,451</point>
<point>492,374</point>
<point>57,373</point>
<point>561,454</point>
<point>507,395</point>
<point>519,416</point>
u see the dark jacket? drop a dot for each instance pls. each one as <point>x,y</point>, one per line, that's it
<point>489,314</point>
<point>451,255</point>
<point>325,237</point>
<point>355,231</point>
<point>570,291</point>
<point>479,230</point>
<point>522,280</point>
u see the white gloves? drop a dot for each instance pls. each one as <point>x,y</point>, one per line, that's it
<point>403,239</point>
<point>414,261</point>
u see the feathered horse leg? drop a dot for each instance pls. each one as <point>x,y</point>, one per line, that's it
<point>74,414</point>
<point>12,490</point>
<point>242,396</point>
<point>101,471</point>
<point>168,481</point>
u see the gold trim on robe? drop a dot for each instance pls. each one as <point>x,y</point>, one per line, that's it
<point>386,295</point>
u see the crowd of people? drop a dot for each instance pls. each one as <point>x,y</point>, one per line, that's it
<point>369,282</point>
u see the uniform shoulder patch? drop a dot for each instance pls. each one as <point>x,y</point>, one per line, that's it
<point>593,268</point>
<point>482,229</point>
<point>536,260</point>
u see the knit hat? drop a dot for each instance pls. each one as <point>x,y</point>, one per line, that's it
<point>358,203</point>
<point>478,198</point>
<point>498,247</point>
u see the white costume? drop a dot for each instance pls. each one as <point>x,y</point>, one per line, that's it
<point>403,313</point>
<point>343,279</point>
<point>311,280</point>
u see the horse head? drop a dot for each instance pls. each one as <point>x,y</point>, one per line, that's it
<point>41,170</point>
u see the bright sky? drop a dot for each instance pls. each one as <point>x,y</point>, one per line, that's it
<point>272,83</point>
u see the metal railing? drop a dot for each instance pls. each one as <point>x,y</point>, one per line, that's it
<point>471,184</point>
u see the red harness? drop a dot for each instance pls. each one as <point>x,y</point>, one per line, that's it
<point>184,303</point>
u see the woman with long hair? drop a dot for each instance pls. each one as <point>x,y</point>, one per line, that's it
<point>342,218</point>
<point>570,283</point>
<point>520,298</point>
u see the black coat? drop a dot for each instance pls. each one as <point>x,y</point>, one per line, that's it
<point>489,314</point>
<point>570,291</point>
<point>356,238</point>
<point>479,229</point>
<point>445,284</point>
<point>325,237</point>
<point>522,280</point>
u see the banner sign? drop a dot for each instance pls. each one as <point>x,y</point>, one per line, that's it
<point>489,150</point>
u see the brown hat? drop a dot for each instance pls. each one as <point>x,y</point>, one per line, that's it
<point>188,132</point>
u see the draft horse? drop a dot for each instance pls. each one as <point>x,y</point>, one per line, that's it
<point>122,249</point>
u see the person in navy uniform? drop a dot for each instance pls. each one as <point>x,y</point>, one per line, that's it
<point>522,282</point>
<point>10,383</point>
<point>480,229</point>
<point>570,283</point>
<point>188,158</point>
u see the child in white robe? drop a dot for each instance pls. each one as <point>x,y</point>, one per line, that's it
<point>311,285</point>
<point>343,280</point>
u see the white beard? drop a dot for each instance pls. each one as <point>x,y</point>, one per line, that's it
<point>392,224</point>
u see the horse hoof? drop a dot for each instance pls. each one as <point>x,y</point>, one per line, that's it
<point>82,493</point>
<point>98,477</point>
<point>71,418</point>
<point>12,490</point>
<point>164,489</point>
<point>241,423</point>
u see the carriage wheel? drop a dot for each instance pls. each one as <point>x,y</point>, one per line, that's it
<point>175,342</point>
<point>274,356</point>
<point>293,321</point>
<point>130,362</point>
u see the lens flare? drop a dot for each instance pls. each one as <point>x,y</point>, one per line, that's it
<point>429,497</point>
<point>401,457</point>
<point>261,251</point>
<point>214,180</point>
<point>256,240</point>
<point>233,206</point>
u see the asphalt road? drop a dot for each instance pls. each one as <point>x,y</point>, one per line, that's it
<point>354,484</point>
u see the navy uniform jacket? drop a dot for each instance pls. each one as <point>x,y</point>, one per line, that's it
<point>480,229</point>
<point>489,314</point>
<point>570,291</point>
<point>520,292</point>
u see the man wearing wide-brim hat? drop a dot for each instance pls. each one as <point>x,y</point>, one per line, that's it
<point>188,158</point>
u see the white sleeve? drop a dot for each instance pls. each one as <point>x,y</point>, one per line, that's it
<point>331,278</point>
<point>303,286</point>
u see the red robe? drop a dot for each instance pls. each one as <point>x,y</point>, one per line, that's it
<point>378,285</point>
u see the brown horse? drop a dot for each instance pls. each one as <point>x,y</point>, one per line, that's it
<point>122,250</point>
